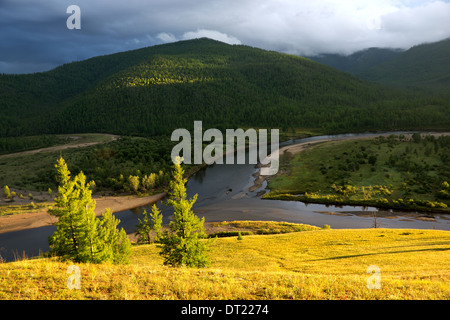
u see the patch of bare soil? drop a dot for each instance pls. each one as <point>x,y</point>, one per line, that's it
<point>72,144</point>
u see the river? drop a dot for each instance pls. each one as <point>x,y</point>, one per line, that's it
<point>223,194</point>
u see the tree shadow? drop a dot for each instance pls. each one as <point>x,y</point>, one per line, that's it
<point>379,253</point>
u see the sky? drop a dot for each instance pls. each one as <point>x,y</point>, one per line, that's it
<point>34,34</point>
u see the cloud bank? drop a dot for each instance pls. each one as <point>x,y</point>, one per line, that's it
<point>34,36</point>
<point>202,33</point>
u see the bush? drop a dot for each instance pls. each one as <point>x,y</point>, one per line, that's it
<point>6,192</point>
<point>133,183</point>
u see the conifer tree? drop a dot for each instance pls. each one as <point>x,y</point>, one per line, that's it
<point>80,236</point>
<point>183,244</point>
<point>150,223</point>
<point>144,229</point>
<point>156,222</point>
<point>115,245</point>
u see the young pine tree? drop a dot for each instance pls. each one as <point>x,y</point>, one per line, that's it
<point>80,236</point>
<point>115,245</point>
<point>144,229</point>
<point>150,223</point>
<point>183,244</point>
<point>156,222</point>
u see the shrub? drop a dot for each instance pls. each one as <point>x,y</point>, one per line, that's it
<point>6,192</point>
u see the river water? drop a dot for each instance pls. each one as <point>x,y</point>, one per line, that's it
<point>223,194</point>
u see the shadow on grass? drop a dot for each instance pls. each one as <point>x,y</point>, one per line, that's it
<point>380,253</point>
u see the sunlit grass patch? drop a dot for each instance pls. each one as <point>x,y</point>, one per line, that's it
<point>318,264</point>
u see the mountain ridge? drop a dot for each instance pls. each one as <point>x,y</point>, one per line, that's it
<point>423,65</point>
<point>358,61</point>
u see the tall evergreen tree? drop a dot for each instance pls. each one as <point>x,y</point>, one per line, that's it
<point>183,244</point>
<point>116,247</point>
<point>156,222</point>
<point>80,236</point>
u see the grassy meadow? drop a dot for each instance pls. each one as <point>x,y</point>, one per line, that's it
<point>315,264</point>
<point>394,172</point>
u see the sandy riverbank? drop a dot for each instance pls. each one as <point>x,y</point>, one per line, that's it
<point>24,221</point>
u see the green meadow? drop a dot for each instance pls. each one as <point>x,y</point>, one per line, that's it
<point>399,172</point>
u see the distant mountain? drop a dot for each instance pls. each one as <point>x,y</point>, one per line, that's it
<point>358,62</point>
<point>422,65</point>
<point>425,65</point>
<point>153,90</point>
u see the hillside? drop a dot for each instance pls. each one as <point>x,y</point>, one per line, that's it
<point>359,62</point>
<point>153,90</point>
<point>320,264</point>
<point>425,65</point>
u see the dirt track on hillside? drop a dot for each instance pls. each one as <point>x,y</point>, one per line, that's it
<point>72,144</point>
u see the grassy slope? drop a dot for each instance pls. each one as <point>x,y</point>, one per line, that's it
<point>321,264</point>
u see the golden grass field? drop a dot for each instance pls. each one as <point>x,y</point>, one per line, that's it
<point>316,264</point>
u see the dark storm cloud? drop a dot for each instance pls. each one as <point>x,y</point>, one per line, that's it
<point>34,36</point>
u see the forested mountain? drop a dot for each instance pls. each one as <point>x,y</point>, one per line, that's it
<point>425,65</point>
<point>359,62</point>
<point>152,91</point>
